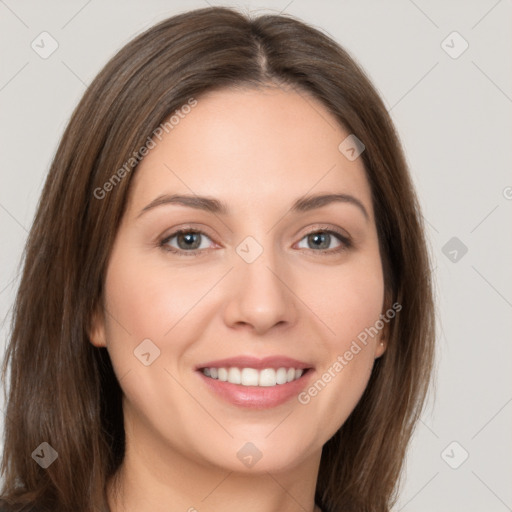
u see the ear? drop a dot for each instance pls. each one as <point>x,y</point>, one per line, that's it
<point>384,335</point>
<point>96,331</point>
<point>381,347</point>
<point>382,341</point>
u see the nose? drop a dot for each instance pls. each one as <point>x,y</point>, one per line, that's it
<point>260,295</point>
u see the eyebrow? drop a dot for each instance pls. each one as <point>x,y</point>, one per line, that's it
<point>209,204</point>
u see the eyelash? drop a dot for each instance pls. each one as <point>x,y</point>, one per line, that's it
<point>345,242</point>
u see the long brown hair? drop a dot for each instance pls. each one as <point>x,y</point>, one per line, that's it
<point>63,390</point>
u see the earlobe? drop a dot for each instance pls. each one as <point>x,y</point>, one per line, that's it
<point>96,331</point>
<point>380,349</point>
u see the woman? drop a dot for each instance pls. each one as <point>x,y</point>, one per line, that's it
<point>226,296</point>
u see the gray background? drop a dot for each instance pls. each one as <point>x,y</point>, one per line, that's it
<point>454,119</point>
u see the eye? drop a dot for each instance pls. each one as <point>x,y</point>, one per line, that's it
<point>193,242</point>
<point>325,241</point>
<point>186,241</point>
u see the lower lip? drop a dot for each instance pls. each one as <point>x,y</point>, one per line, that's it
<point>257,397</point>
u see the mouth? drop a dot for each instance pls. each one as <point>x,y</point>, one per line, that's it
<point>256,383</point>
<point>267,377</point>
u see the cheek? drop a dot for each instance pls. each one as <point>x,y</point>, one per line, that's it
<point>351,301</point>
<point>354,312</point>
<point>141,305</point>
<point>146,298</point>
<point>148,302</point>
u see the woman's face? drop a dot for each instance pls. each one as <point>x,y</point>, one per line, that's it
<point>265,286</point>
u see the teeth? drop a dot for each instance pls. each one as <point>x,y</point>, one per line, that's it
<point>234,376</point>
<point>267,377</point>
<point>251,377</point>
<point>281,376</point>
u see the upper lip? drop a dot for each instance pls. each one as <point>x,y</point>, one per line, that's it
<point>256,363</point>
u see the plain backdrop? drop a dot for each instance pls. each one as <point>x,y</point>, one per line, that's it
<point>450,96</point>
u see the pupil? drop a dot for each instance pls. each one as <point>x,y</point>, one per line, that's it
<point>320,240</point>
<point>190,243</point>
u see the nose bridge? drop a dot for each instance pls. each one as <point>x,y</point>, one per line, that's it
<point>260,296</point>
<point>259,262</point>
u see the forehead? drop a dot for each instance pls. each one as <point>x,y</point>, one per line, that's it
<point>251,148</point>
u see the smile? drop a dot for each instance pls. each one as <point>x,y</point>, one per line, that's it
<point>266,377</point>
<point>251,382</point>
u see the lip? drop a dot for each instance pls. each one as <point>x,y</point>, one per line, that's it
<point>256,397</point>
<point>256,363</point>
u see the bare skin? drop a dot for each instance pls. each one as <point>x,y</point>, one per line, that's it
<point>257,151</point>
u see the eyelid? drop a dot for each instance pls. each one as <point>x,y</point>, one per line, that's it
<point>343,237</point>
<point>328,228</point>
<point>163,240</point>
